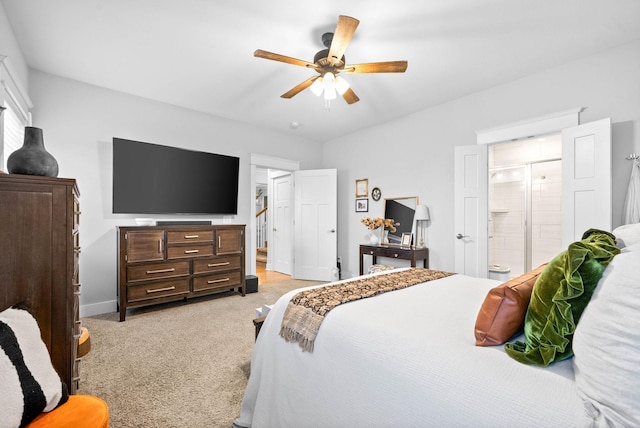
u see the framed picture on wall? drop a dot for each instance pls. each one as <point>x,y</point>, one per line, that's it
<point>362,188</point>
<point>362,205</point>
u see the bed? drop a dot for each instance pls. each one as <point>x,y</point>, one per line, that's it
<point>409,358</point>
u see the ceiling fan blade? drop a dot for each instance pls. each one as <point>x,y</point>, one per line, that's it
<point>299,88</point>
<point>341,38</point>
<point>377,67</point>
<point>282,58</point>
<point>350,97</point>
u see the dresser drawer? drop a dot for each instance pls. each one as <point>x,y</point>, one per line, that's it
<point>188,251</point>
<point>182,236</point>
<point>216,264</point>
<point>394,253</point>
<point>156,290</point>
<point>219,280</point>
<point>157,270</point>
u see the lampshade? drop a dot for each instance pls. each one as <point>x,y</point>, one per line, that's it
<point>341,85</point>
<point>422,213</point>
<point>331,85</point>
<point>317,87</point>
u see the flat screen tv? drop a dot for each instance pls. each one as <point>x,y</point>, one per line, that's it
<point>155,179</point>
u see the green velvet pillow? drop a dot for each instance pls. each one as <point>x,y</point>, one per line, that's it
<point>559,296</point>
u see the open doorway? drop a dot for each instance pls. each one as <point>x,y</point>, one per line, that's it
<point>314,205</point>
<point>525,203</point>
<point>262,207</point>
<point>260,166</point>
<point>272,205</point>
<point>586,184</point>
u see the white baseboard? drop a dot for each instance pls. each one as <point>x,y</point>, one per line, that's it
<point>98,308</point>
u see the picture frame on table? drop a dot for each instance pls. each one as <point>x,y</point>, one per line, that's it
<point>362,188</point>
<point>406,240</point>
<point>362,205</point>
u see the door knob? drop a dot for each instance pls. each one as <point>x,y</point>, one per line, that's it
<point>460,236</point>
<point>332,231</point>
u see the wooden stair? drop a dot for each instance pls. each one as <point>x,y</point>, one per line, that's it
<point>261,255</point>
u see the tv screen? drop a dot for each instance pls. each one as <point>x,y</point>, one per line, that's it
<point>154,179</point>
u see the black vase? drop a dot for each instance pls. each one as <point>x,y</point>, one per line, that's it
<point>32,158</point>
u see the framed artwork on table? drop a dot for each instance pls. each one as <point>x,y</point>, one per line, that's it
<point>406,240</point>
<point>362,188</point>
<point>362,205</point>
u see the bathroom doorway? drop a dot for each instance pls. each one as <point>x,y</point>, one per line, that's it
<point>525,203</point>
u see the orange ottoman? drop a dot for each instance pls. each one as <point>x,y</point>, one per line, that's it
<point>80,411</point>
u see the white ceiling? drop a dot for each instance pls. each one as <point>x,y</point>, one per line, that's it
<point>198,54</point>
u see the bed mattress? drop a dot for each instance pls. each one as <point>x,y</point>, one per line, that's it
<point>404,358</point>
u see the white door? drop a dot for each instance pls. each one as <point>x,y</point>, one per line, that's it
<point>471,211</point>
<point>586,179</point>
<point>315,228</point>
<point>280,249</point>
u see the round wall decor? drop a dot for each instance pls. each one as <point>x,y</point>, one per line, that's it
<point>376,193</point>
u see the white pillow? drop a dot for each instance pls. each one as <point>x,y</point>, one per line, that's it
<point>29,384</point>
<point>629,248</point>
<point>606,345</point>
<point>627,235</point>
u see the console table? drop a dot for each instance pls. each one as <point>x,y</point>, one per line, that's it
<point>404,253</point>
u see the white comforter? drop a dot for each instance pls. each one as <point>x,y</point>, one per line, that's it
<point>404,359</point>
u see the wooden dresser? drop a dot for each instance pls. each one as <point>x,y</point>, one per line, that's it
<point>39,218</point>
<point>164,263</point>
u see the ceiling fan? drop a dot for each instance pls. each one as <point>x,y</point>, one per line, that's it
<point>330,62</point>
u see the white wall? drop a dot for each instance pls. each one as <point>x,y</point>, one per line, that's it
<point>79,122</point>
<point>406,157</point>
<point>414,155</point>
<point>9,47</point>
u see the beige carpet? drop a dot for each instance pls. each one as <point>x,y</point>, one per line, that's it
<point>178,364</point>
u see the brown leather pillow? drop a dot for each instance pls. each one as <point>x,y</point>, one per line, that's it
<point>503,310</point>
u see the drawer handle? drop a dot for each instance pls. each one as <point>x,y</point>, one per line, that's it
<point>191,251</point>
<point>218,264</point>
<point>149,272</point>
<point>158,290</point>
<point>215,281</point>
<point>395,255</point>
<point>191,236</point>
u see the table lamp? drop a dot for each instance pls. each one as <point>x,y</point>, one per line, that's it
<point>421,217</point>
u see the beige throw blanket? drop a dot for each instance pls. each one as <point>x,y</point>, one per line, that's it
<point>307,309</point>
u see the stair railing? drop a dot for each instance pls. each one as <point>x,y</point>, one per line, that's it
<point>261,227</point>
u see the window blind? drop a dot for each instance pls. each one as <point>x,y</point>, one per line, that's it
<point>13,133</point>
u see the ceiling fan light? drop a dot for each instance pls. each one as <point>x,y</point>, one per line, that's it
<point>329,80</point>
<point>329,83</point>
<point>341,85</point>
<point>317,86</point>
<point>330,93</point>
